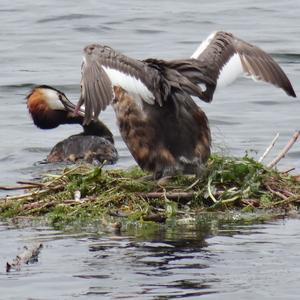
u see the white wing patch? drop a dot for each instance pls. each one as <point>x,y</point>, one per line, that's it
<point>233,68</point>
<point>203,45</point>
<point>52,99</point>
<point>230,71</point>
<point>129,83</point>
<point>203,87</point>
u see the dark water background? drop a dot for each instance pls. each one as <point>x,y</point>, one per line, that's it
<point>41,43</point>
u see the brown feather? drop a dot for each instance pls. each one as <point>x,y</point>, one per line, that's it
<point>255,61</point>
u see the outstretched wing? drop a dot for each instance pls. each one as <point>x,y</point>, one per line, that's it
<point>102,69</point>
<point>228,57</point>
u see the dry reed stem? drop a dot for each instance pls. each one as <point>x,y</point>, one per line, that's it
<point>269,148</point>
<point>286,148</point>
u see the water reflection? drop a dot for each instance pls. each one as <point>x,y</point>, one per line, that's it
<point>166,264</point>
<point>221,258</point>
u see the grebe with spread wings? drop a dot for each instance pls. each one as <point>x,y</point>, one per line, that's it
<point>164,129</point>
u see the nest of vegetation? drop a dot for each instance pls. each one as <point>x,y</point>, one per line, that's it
<point>86,193</point>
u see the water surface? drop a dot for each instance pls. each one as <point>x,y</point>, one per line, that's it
<point>41,43</point>
<point>213,260</point>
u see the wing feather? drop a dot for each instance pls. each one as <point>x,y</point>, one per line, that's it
<point>102,69</point>
<point>96,92</point>
<point>218,61</point>
<point>220,49</point>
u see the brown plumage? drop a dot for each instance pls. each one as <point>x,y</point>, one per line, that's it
<point>50,108</point>
<point>155,138</point>
<point>81,147</point>
<point>164,129</point>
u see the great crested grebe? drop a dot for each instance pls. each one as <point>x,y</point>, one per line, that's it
<point>164,129</point>
<point>50,108</point>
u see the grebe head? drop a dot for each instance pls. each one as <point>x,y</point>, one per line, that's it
<point>50,107</point>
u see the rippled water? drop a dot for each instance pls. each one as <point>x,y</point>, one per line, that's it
<point>41,42</point>
<point>213,260</point>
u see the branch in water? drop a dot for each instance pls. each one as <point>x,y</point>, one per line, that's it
<point>29,255</point>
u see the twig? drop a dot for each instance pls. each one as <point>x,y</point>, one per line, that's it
<point>288,171</point>
<point>32,210</point>
<point>192,185</point>
<point>224,202</point>
<point>39,184</point>
<point>269,148</point>
<point>230,200</point>
<point>13,188</point>
<point>251,202</point>
<point>209,191</point>
<point>172,195</point>
<point>33,205</point>
<point>47,184</point>
<point>286,201</point>
<point>35,193</point>
<point>285,149</point>
<point>27,185</point>
<point>280,195</point>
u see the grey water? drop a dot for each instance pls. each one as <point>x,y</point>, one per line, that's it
<point>41,43</point>
<point>215,261</point>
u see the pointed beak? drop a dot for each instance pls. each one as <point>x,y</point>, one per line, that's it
<point>78,110</point>
<point>71,108</point>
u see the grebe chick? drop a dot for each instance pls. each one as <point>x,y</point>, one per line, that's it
<point>50,108</point>
<point>164,129</point>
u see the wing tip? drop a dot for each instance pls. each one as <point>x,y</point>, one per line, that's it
<point>290,90</point>
<point>292,93</point>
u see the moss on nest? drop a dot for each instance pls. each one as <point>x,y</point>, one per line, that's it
<point>85,193</point>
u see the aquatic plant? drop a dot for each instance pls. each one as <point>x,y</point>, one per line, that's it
<point>85,193</point>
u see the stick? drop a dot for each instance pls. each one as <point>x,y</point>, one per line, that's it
<point>174,195</point>
<point>288,171</point>
<point>27,185</point>
<point>251,202</point>
<point>192,185</point>
<point>224,202</point>
<point>47,184</point>
<point>31,183</point>
<point>35,193</point>
<point>29,255</point>
<point>284,151</point>
<point>269,148</point>
<point>13,188</point>
<point>209,191</point>
<point>280,195</point>
<point>286,201</point>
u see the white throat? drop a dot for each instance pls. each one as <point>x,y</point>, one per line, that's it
<point>52,99</point>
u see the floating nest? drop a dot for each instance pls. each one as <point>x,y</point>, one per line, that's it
<point>87,193</point>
